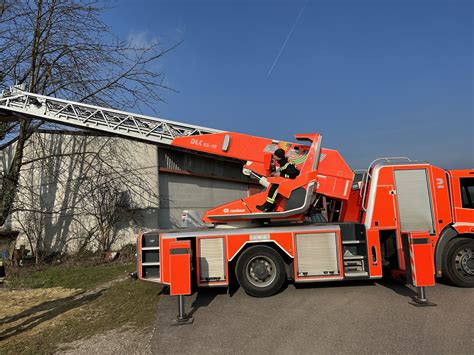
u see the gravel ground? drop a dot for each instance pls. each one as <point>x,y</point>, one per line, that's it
<point>117,341</point>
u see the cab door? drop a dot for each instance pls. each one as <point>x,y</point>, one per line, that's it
<point>462,192</point>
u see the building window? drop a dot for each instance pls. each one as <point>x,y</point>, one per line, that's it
<point>467,192</point>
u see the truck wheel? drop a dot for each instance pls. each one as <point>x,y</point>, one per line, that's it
<point>260,271</point>
<point>458,264</point>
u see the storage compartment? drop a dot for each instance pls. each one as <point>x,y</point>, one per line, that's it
<point>354,265</point>
<point>150,240</point>
<point>150,256</point>
<point>351,250</point>
<point>212,260</point>
<point>151,272</point>
<point>352,232</point>
<point>317,254</point>
<point>414,201</point>
<point>388,244</point>
<point>354,250</point>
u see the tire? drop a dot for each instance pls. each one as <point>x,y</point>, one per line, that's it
<point>260,271</point>
<point>458,263</point>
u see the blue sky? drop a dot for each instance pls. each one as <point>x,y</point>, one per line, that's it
<point>376,78</point>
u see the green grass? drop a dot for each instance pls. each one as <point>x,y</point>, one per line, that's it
<point>122,304</point>
<point>75,276</point>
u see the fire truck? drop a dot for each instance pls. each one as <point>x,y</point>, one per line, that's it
<point>400,217</point>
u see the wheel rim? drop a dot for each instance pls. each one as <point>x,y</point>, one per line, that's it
<point>464,261</point>
<point>261,271</point>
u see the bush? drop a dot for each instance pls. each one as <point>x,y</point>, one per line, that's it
<point>128,252</point>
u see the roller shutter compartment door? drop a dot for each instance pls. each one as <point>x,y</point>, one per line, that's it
<point>211,259</point>
<point>317,254</point>
<point>414,201</point>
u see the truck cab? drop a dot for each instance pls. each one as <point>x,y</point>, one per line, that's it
<point>398,195</point>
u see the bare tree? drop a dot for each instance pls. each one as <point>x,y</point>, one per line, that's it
<point>110,205</point>
<point>81,191</point>
<point>32,225</point>
<point>63,48</point>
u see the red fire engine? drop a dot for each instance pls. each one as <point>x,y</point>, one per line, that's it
<point>406,218</point>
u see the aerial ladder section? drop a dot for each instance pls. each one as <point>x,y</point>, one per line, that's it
<point>18,102</point>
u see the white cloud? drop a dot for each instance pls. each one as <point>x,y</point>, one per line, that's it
<point>142,39</point>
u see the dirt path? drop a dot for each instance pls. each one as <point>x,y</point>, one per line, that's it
<point>117,341</point>
<point>42,313</point>
<point>34,309</point>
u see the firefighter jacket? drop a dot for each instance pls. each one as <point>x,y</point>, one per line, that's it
<point>288,169</point>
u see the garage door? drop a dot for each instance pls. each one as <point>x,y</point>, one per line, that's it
<point>183,192</point>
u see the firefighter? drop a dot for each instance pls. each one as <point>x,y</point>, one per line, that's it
<point>286,170</point>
